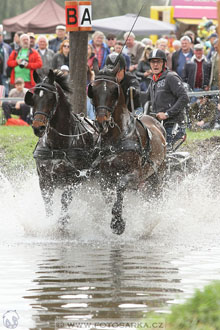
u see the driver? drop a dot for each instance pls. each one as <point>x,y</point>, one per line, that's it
<point>168,97</point>
<point>128,83</point>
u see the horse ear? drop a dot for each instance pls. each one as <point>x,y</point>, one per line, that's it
<point>90,93</point>
<point>116,69</point>
<point>51,77</point>
<point>36,77</point>
<point>28,99</point>
<point>96,67</point>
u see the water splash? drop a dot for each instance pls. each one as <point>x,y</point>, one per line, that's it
<point>188,209</point>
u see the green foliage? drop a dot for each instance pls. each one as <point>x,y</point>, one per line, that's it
<point>16,147</point>
<point>201,312</point>
<point>200,135</point>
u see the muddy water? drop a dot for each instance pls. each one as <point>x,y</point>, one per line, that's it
<point>169,248</point>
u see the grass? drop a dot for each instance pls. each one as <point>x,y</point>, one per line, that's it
<point>16,147</point>
<point>200,135</point>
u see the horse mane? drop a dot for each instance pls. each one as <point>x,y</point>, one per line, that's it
<point>62,80</point>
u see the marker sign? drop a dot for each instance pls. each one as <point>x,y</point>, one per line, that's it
<point>78,15</point>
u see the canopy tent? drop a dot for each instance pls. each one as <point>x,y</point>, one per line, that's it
<point>43,18</point>
<point>193,11</point>
<point>143,25</point>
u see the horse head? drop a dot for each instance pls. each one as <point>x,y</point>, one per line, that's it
<point>104,92</point>
<point>45,98</point>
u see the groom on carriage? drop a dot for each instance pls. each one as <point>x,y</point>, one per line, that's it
<point>128,82</point>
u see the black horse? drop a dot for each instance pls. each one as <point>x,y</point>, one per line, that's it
<point>65,148</point>
<point>132,149</point>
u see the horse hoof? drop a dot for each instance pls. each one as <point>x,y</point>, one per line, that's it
<point>117,225</point>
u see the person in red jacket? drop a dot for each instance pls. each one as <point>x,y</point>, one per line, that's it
<point>23,62</point>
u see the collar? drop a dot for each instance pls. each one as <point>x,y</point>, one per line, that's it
<point>194,58</point>
<point>158,76</point>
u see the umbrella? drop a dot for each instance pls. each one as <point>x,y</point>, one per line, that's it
<point>143,25</point>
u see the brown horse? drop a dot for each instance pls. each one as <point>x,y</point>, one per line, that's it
<point>133,149</point>
<point>65,148</point>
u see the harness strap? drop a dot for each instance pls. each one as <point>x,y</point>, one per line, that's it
<point>61,154</point>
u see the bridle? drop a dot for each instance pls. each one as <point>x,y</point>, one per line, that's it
<point>111,122</point>
<point>51,89</point>
<point>110,109</point>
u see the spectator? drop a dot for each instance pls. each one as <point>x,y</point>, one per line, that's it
<point>91,59</point>
<point>100,48</point>
<point>5,51</point>
<point>212,38</point>
<point>62,57</point>
<point>147,42</point>
<point>55,43</point>
<point>162,44</point>
<point>214,76</point>
<point>134,49</point>
<point>24,62</point>
<point>111,41</point>
<point>144,70</point>
<point>15,45</point>
<point>32,39</point>
<point>65,69</point>
<point>192,36</point>
<point>17,108</point>
<point>197,72</point>
<point>182,56</point>
<point>118,49</point>
<point>176,45</point>
<point>202,114</point>
<point>45,54</point>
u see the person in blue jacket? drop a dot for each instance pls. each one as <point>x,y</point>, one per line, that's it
<point>101,49</point>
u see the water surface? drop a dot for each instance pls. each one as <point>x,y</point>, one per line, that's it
<point>169,248</point>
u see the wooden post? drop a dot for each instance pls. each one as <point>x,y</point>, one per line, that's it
<point>218,16</point>
<point>78,23</point>
<point>78,69</point>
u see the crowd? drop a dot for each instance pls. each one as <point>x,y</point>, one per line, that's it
<point>195,61</point>
<point>195,64</point>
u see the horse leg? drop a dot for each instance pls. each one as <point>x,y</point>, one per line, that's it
<point>66,199</point>
<point>117,223</point>
<point>47,191</point>
<point>107,191</point>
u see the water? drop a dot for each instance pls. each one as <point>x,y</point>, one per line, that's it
<point>169,248</point>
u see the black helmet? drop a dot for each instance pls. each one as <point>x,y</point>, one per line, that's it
<point>157,53</point>
<point>115,58</point>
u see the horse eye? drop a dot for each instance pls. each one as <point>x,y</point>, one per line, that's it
<point>41,93</point>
